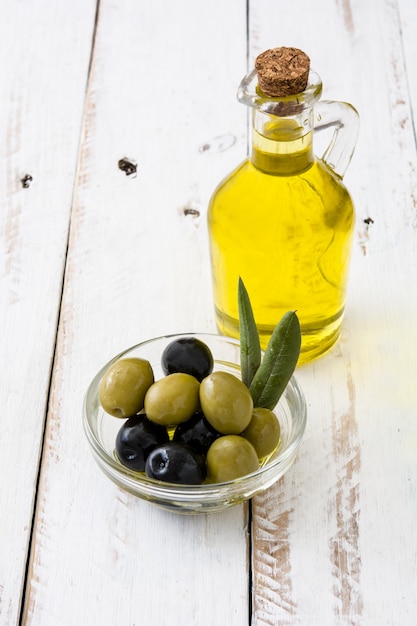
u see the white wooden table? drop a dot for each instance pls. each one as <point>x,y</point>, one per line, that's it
<point>93,261</point>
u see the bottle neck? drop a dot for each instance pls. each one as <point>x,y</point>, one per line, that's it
<point>282,146</point>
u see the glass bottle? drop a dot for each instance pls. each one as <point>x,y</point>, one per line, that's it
<point>283,220</point>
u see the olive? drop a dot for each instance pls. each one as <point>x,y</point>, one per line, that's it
<point>124,385</point>
<point>173,399</point>
<point>196,432</point>
<point>176,462</point>
<point>226,403</point>
<point>231,457</point>
<point>136,439</point>
<point>188,355</point>
<point>263,431</point>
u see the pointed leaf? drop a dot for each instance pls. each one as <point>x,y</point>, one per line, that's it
<point>279,362</point>
<point>250,349</point>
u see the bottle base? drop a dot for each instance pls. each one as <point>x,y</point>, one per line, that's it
<point>315,340</point>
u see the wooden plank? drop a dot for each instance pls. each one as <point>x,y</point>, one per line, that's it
<point>335,541</point>
<point>44,56</point>
<point>162,92</point>
<point>407,12</point>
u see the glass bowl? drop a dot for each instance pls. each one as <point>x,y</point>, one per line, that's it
<point>101,430</point>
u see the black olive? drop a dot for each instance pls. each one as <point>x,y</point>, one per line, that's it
<point>188,355</point>
<point>175,462</point>
<point>196,432</point>
<point>136,439</point>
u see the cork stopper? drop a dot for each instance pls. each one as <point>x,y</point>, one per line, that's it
<point>282,71</point>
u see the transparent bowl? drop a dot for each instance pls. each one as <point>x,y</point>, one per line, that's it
<point>101,430</point>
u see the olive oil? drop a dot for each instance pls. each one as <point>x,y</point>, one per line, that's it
<point>283,222</point>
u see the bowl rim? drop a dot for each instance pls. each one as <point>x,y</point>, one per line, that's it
<point>154,486</point>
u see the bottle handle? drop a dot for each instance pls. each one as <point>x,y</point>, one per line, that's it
<point>345,120</point>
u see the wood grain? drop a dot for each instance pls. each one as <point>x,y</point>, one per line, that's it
<point>137,267</point>
<point>43,77</point>
<point>342,486</point>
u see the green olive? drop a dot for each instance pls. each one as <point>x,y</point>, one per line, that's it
<point>226,403</point>
<point>231,457</point>
<point>263,431</point>
<point>124,385</point>
<point>173,399</point>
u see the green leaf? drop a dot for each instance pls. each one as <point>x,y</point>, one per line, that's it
<point>250,349</point>
<point>278,364</point>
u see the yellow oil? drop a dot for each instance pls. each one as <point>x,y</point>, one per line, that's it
<point>282,221</point>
